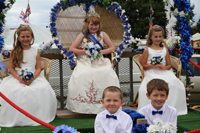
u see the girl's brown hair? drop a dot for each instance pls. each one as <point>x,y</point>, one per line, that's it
<point>95,20</point>
<point>155,28</point>
<point>17,52</point>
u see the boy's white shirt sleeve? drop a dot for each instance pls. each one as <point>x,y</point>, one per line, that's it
<point>130,127</point>
<point>98,127</point>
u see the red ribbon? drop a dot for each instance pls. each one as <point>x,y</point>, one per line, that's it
<point>189,59</point>
<point>194,131</point>
<point>26,113</point>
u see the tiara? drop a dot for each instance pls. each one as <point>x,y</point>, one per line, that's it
<point>92,12</point>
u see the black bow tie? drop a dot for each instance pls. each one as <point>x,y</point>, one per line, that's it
<point>111,116</point>
<point>155,112</point>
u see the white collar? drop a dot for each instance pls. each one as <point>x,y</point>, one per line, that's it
<point>116,113</point>
<point>161,109</point>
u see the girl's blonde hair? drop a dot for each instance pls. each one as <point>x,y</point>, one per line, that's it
<point>155,28</point>
<point>17,52</point>
<point>95,20</point>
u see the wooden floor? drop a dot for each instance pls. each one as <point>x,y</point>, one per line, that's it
<point>64,113</point>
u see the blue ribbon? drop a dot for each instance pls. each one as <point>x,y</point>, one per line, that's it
<point>93,39</point>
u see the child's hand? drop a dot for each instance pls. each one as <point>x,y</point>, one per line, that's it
<point>159,66</point>
<point>21,81</point>
<point>29,82</point>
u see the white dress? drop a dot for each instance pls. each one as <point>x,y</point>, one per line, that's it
<point>177,96</point>
<point>87,83</point>
<point>38,98</point>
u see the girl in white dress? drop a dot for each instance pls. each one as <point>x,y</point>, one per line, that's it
<point>89,80</point>
<point>177,96</point>
<point>36,96</point>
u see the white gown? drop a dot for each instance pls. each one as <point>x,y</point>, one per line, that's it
<point>87,83</point>
<point>177,96</point>
<point>38,98</point>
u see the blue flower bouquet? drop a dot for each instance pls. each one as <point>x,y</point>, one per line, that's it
<point>2,67</point>
<point>93,51</point>
<point>156,60</point>
<point>26,75</point>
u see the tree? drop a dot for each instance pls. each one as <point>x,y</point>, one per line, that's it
<point>138,12</point>
<point>196,29</point>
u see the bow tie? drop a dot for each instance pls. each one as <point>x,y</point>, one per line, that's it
<point>111,116</point>
<point>155,112</point>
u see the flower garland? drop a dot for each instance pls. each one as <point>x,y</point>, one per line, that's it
<point>86,6</point>
<point>64,129</point>
<point>5,5</point>
<point>142,128</point>
<point>179,11</point>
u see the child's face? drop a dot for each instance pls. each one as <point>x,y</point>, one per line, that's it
<point>158,98</point>
<point>25,38</point>
<point>156,37</point>
<point>93,28</point>
<point>112,101</point>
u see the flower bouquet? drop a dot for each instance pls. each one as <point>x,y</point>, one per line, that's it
<point>93,51</point>
<point>159,127</point>
<point>156,60</point>
<point>26,75</point>
<point>134,43</point>
<point>173,42</point>
<point>2,67</point>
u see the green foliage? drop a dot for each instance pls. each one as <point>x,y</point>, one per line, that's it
<point>196,29</point>
<point>138,12</point>
<point>105,3</point>
<point>2,16</point>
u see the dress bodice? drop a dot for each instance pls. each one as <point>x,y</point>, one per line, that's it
<point>84,42</point>
<point>152,53</point>
<point>29,56</point>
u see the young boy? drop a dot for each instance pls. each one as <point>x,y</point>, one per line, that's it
<point>113,120</point>
<point>157,92</point>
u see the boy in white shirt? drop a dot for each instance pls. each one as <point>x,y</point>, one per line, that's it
<point>113,119</point>
<point>157,92</point>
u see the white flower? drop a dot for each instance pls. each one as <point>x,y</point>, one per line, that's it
<point>123,11</point>
<point>95,53</point>
<point>88,52</point>
<point>6,2</point>
<point>158,122</point>
<point>97,46</point>
<point>152,129</point>
<point>182,14</point>
<point>90,45</point>
<point>175,12</point>
<point>169,127</point>
<point>139,43</point>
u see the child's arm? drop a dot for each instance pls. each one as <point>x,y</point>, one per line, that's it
<point>13,71</point>
<point>129,127</point>
<point>98,127</point>
<point>74,47</point>
<point>144,61</point>
<point>37,68</point>
<point>168,62</point>
<point>108,42</point>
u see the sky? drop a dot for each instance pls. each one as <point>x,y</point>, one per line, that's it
<point>40,12</point>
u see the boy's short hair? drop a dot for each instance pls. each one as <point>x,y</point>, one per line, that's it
<point>158,84</point>
<point>112,89</point>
